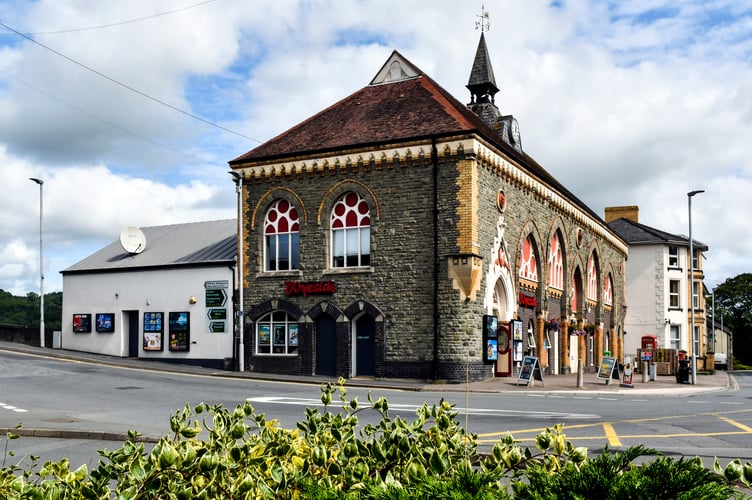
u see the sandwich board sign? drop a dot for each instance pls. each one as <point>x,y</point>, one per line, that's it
<point>530,371</point>
<point>606,370</point>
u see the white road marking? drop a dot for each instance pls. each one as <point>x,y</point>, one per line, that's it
<point>412,408</point>
<point>12,408</point>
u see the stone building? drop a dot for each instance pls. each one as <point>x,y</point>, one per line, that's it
<point>401,233</point>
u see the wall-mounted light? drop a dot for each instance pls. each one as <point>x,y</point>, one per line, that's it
<point>192,300</point>
<point>148,302</point>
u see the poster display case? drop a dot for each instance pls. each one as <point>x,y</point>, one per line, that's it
<point>180,331</point>
<point>105,322</point>
<point>82,323</point>
<point>153,329</point>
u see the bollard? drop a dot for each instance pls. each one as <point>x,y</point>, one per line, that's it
<point>580,375</point>
<point>644,372</point>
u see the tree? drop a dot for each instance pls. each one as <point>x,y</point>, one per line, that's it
<point>24,311</point>
<point>733,301</point>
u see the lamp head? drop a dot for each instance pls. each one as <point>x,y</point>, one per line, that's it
<point>692,193</point>
<point>38,181</point>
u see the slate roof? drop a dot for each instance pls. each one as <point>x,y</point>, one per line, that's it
<point>414,108</point>
<point>408,109</point>
<point>192,244</point>
<point>482,76</point>
<point>635,233</point>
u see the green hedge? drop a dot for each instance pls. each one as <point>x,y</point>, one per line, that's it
<point>217,453</point>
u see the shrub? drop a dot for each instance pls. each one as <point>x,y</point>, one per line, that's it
<point>215,453</point>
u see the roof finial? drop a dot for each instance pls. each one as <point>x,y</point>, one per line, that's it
<point>483,24</point>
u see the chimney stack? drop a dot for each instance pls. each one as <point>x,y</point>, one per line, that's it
<point>631,212</point>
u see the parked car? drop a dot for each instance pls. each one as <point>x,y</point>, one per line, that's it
<point>721,362</point>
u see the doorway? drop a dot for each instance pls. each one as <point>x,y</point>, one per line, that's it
<point>326,346</point>
<point>365,345</point>
<point>132,333</point>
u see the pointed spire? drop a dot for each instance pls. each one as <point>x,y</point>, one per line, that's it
<point>482,84</point>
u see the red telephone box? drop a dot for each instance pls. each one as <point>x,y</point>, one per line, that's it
<point>649,342</point>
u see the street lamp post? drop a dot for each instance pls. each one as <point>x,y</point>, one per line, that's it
<point>41,263</point>
<point>695,343</point>
<point>238,178</point>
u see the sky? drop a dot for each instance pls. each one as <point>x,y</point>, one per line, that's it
<point>130,111</point>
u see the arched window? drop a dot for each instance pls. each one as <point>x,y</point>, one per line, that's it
<point>281,239</point>
<point>277,333</point>
<point>556,264</point>
<point>351,232</point>
<point>592,279</point>
<point>576,290</point>
<point>608,292</point>
<point>528,262</point>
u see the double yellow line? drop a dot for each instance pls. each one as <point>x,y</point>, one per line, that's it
<point>613,439</point>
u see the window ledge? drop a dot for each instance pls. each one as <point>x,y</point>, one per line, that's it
<point>294,273</point>
<point>349,270</point>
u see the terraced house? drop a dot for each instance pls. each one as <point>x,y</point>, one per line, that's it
<point>401,233</point>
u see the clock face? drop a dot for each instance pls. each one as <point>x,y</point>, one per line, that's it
<point>515,131</point>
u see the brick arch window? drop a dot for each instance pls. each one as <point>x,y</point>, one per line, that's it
<point>528,261</point>
<point>277,333</point>
<point>592,279</point>
<point>351,232</point>
<point>281,239</point>
<point>556,263</point>
<point>608,292</point>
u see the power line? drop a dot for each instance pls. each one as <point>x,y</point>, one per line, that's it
<point>91,115</point>
<point>120,23</point>
<point>128,87</point>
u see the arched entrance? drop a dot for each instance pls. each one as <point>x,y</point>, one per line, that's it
<point>506,345</point>
<point>364,333</point>
<point>326,345</point>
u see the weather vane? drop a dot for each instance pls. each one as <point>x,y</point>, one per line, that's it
<point>483,24</point>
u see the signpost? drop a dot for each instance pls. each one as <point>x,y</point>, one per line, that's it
<point>216,310</point>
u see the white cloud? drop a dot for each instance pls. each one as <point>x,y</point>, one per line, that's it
<point>624,102</point>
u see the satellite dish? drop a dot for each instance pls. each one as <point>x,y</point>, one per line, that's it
<point>133,240</point>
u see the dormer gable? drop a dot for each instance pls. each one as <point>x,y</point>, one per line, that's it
<point>395,69</point>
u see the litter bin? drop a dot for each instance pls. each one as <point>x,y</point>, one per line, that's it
<point>682,374</point>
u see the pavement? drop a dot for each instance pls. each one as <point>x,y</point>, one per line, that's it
<point>571,383</point>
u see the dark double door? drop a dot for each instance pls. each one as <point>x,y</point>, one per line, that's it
<point>326,346</point>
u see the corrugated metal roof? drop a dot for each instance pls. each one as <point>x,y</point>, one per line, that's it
<point>172,245</point>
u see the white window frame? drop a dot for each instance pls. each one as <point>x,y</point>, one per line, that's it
<point>674,295</point>
<point>274,243</point>
<point>675,337</point>
<point>350,246</point>
<point>673,256</point>
<point>695,294</point>
<point>275,323</point>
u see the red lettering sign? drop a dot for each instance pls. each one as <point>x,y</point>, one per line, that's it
<point>526,301</point>
<point>306,288</point>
